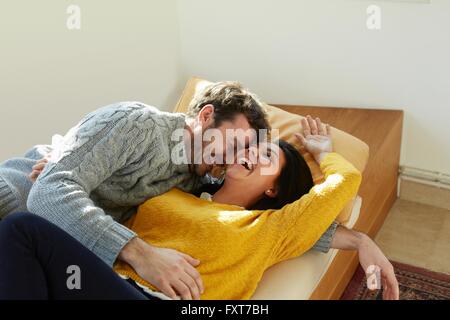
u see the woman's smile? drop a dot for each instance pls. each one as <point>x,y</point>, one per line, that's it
<point>247,164</point>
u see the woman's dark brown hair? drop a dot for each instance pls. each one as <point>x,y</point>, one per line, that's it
<point>294,181</point>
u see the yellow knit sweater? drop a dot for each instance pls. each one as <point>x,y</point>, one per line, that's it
<point>235,246</point>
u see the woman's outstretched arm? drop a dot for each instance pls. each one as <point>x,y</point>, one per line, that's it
<point>374,263</point>
<point>303,222</point>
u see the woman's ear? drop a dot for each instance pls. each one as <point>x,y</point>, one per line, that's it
<point>271,193</point>
<point>206,116</point>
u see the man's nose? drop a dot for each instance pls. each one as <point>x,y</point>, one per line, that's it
<point>252,155</point>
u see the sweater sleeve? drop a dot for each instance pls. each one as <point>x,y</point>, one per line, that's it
<point>90,153</point>
<point>304,221</point>
<point>324,243</point>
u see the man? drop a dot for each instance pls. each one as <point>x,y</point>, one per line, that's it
<point>116,158</point>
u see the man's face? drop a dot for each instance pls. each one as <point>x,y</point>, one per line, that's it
<point>221,144</point>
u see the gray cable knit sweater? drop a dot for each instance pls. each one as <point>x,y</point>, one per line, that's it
<point>113,160</point>
<point>109,163</point>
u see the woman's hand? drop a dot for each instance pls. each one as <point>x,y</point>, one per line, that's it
<point>316,137</point>
<point>38,168</point>
<point>378,269</point>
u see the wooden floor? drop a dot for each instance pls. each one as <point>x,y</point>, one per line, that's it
<point>381,130</point>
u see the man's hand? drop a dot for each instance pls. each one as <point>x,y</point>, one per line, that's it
<point>38,168</point>
<point>372,260</point>
<point>316,137</point>
<point>170,271</point>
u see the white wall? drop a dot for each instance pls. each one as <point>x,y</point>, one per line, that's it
<point>50,76</point>
<point>313,52</point>
<point>319,52</point>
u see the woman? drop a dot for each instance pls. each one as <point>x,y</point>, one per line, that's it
<point>235,245</point>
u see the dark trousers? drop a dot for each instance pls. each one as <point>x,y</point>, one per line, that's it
<point>38,260</point>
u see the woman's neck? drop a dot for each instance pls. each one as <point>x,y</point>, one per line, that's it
<point>233,196</point>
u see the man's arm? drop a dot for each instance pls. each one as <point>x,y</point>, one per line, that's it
<point>90,153</point>
<point>369,255</point>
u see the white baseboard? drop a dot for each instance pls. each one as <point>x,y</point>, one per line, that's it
<point>426,187</point>
<point>428,177</point>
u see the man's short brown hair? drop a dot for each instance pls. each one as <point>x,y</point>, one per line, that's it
<point>229,99</point>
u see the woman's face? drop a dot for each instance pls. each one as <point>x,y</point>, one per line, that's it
<point>256,170</point>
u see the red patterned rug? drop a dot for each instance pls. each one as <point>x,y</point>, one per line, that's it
<point>415,284</point>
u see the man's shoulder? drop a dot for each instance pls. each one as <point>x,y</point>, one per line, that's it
<point>132,112</point>
<point>128,118</point>
<point>125,107</point>
<point>138,108</point>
